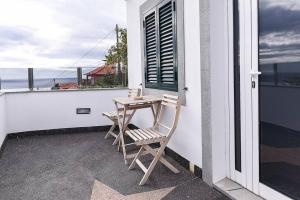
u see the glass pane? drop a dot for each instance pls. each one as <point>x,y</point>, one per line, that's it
<point>56,78</point>
<point>13,78</point>
<point>279,62</point>
<point>268,75</point>
<point>289,74</point>
<point>237,88</point>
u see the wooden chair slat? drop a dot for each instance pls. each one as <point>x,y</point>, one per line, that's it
<point>113,115</point>
<point>171,96</point>
<point>132,136</point>
<point>141,131</point>
<point>153,132</point>
<point>152,135</point>
<point>136,135</point>
<point>170,101</point>
<point>140,134</point>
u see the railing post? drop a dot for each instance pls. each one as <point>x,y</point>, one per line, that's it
<point>275,69</point>
<point>79,76</point>
<point>30,78</point>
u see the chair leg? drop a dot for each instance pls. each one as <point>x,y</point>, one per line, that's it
<point>164,153</point>
<point>110,131</point>
<point>162,159</point>
<point>151,166</point>
<point>137,156</point>
<point>119,145</point>
<point>169,165</point>
<point>116,140</point>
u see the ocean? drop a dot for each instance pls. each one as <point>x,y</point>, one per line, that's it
<point>45,83</point>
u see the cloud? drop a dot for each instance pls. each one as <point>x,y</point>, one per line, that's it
<point>290,4</point>
<point>279,19</point>
<point>55,33</point>
<point>279,27</point>
<point>11,36</point>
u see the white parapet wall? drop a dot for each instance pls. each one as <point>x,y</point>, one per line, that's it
<point>31,111</point>
<point>2,118</point>
<point>187,141</point>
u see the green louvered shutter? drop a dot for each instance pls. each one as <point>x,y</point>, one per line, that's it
<point>167,47</point>
<point>151,69</point>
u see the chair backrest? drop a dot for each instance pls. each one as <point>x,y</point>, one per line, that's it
<point>173,104</point>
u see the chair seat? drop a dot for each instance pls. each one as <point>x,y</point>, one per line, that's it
<point>113,115</point>
<point>145,136</point>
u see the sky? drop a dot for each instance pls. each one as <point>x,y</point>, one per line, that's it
<point>279,31</point>
<point>58,33</point>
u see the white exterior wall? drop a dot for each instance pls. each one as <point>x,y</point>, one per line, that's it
<point>187,140</point>
<point>32,111</point>
<point>2,119</point>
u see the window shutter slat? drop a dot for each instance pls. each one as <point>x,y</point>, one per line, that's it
<point>166,37</point>
<point>151,49</point>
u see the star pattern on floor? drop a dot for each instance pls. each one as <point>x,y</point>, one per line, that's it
<point>104,192</point>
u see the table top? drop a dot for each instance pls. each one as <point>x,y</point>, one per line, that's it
<point>132,101</point>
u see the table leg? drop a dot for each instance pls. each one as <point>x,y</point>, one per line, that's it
<point>122,135</point>
<point>121,129</point>
<point>129,119</point>
<point>124,149</point>
<point>125,125</point>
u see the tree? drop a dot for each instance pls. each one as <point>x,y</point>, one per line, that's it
<point>118,52</point>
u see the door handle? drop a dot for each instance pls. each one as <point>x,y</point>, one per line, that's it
<point>255,73</point>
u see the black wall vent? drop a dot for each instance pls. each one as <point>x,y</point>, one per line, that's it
<point>83,111</point>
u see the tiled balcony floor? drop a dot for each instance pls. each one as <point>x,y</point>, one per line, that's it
<point>85,166</point>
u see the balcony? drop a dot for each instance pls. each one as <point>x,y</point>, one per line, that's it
<point>50,152</point>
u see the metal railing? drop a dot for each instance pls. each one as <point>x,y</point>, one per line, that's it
<point>283,74</point>
<point>61,78</point>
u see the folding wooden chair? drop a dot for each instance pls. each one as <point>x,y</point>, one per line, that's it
<point>145,137</point>
<point>112,115</point>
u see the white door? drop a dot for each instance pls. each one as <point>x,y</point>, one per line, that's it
<point>275,99</point>
<point>265,109</point>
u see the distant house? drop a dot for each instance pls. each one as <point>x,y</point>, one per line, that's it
<point>99,72</point>
<point>66,86</point>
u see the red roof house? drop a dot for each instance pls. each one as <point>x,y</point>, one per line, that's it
<point>99,72</point>
<point>102,71</point>
<point>66,86</point>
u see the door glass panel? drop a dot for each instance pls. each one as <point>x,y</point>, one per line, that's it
<point>237,88</point>
<point>279,91</point>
